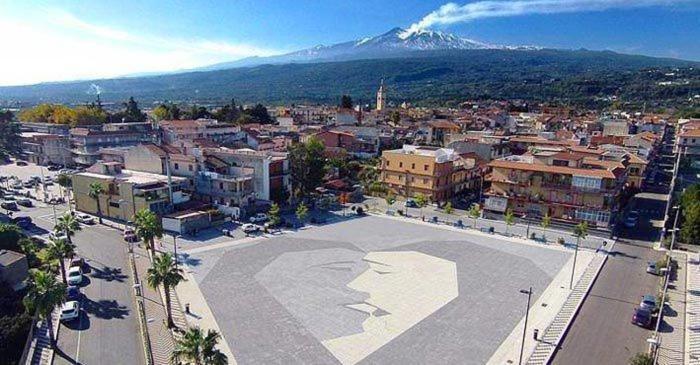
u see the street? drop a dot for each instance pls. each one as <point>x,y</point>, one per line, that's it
<point>107,331</point>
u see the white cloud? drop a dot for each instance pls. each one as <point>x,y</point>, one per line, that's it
<point>452,13</point>
<point>65,47</point>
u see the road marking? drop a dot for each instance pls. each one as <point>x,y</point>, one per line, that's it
<point>80,331</point>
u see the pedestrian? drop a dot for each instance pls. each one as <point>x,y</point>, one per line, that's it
<point>187,308</point>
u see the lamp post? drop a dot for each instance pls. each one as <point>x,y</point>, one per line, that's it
<point>573,268</point>
<point>175,249</point>
<point>527,311</point>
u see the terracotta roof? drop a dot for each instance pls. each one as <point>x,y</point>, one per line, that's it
<point>633,158</point>
<point>691,133</point>
<point>552,169</point>
<point>443,124</point>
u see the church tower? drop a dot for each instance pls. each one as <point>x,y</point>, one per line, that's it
<point>381,97</point>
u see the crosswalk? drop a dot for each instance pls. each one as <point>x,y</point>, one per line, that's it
<point>553,334</point>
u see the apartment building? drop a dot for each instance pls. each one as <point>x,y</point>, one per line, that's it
<point>174,131</point>
<point>437,173</point>
<point>125,192</point>
<point>568,186</point>
<point>44,148</point>
<point>87,143</point>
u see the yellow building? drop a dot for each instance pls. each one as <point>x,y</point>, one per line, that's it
<point>125,192</point>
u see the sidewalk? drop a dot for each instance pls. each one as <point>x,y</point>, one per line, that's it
<point>672,329</point>
<point>692,311</point>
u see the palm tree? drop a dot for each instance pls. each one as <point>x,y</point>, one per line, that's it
<point>475,212</point>
<point>68,224</point>
<point>95,190</point>
<point>44,294</point>
<point>60,250</point>
<point>147,227</point>
<point>196,348</point>
<point>580,231</point>
<point>163,272</point>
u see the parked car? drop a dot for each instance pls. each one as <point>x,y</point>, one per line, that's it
<point>9,205</point>
<point>10,197</point>
<point>258,218</point>
<point>641,317</point>
<point>85,218</point>
<point>58,235</point>
<point>649,302</point>
<point>410,203</point>
<point>23,222</point>
<point>652,269</point>
<point>72,293</point>
<point>20,163</point>
<point>70,311</point>
<point>24,202</point>
<point>250,228</point>
<point>75,275</point>
<point>53,167</point>
<point>632,219</point>
<point>29,183</point>
<point>77,261</point>
<point>130,235</point>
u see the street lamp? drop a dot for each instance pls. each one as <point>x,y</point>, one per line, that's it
<point>527,311</point>
<point>175,248</point>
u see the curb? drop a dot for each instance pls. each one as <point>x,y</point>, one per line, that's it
<point>145,339</point>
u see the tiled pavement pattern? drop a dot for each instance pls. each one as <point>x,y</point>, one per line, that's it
<point>554,333</point>
<point>42,351</point>
<point>692,311</point>
<point>672,329</point>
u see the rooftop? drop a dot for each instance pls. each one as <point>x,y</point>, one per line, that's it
<point>8,257</point>
<point>527,163</point>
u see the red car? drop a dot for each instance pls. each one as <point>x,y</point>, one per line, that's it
<point>642,317</point>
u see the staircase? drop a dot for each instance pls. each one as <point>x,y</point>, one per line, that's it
<point>554,333</point>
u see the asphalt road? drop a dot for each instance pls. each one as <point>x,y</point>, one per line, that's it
<point>107,331</point>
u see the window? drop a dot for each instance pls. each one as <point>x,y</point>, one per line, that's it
<point>425,181</point>
<point>425,167</point>
<point>388,163</point>
<point>221,186</point>
<point>189,167</point>
<point>177,167</point>
<point>413,166</point>
<point>400,164</point>
<point>114,204</point>
<point>586,182</point>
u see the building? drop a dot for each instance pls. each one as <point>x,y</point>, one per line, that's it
<point>341,143</point>
<point>87,143</point>
<point>174,131</point>
<point>437,173</point>
<point>689,142</point>
<point>381,97</point>
<point>14,269</point>
<point>439,131</point>
<point>126,192</point>
<point>45,149</point>
<point>567,186</point>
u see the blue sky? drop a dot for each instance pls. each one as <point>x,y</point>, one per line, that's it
<point>65,40</point>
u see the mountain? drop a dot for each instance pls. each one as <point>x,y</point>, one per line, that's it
<point>394,43</point>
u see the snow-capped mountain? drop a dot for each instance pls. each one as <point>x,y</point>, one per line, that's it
<point>393,43</point>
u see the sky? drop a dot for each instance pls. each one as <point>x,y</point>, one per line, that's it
<point>69,40</point>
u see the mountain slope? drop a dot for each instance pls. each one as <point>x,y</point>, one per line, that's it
<point>430,77</point>
<point>394,43</point>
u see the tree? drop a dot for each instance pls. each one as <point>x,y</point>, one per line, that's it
<point>307,165</point>
<point>390,199</point>
<point>166,111</point>
<point>196,348</point>
<point>197,112</point>
<point>9,236</point>
<point>394,117</point>
<point>65,182</point>
<point>229,113</point>
<point>68,224</point>
<point>163,272</point>
<point>10,142</point>
<point>60,250</point>
<point>274,214</point>
<point>475,212</point>
<point>132,113</point>
<point>510,219</point>
<point>147,228</point>
<point>641,358</point>
<point>690,196</point>
<point>258,114</point>
<point>45,293</point>
<point>448,208</point>
<point>96,190</point>
<point>690,229</point>
<point>302,212</point>
<point>421,202</point>
<point>546,221</point>
<point>346,102</point>
<point>581,231</point>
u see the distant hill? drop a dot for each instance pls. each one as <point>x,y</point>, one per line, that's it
<point>419,76</point>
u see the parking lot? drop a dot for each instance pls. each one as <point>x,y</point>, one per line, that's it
<point>371,290</point>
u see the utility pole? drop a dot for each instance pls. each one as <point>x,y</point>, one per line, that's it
<point>527,312</point>
<point>573,268</point>
<point>175,248</point>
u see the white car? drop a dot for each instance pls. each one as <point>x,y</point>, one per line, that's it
<point>70,311</point>
<point>258,218</point>
<point>58,235</point>
<point>75,275</point>
<point>84,218</point>
<point>250,228</point>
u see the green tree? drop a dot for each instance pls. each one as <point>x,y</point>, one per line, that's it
<point>641,358</point>
<point>274,214</point>
<point>259,114</point>
<point>510,219</point>
<point>10,141</point>
<point>96,190</point>
<point>346,102</point>
<point>475,213</point>
<point>581,231</point>
<point>147,228</point>
<point>546,221</point>
<point>194,347</point>
<point>132,113</point>
<point>229,113</point>
<point>9,236</point>
<point>421,201</point>
<point>60,250</point>
<point>64,180</point>
<point>197,112</point>
<point>690,229</point>
<point>68,224</point>
<point>395,117</point>
<point>44,294</point>
<point>690,196</point>
<point>166,111</point>
<point>163,272</point>
<point>307,165</point>
<point>448,208</point>
<point>390,199</point>
<point>302,212</point>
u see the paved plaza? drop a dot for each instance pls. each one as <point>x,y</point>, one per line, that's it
<point>370,290</point>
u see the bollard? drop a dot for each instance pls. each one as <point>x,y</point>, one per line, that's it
<point>535,333</point>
